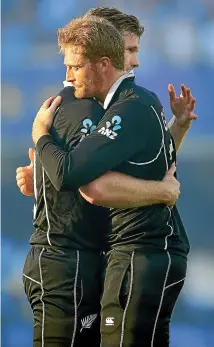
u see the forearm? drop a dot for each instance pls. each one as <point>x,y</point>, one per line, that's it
<point>121,191</point>
<point>178,132</point>
<point>66,170</point>
<point>90,159</point>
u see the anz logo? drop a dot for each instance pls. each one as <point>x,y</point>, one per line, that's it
<point>87,129</point>
<point>111,128</point>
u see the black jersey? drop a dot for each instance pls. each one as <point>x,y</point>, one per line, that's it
<point>65,219</point>
<point>132,138</point>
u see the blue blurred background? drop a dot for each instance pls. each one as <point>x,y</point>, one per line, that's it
<point>177,47</point>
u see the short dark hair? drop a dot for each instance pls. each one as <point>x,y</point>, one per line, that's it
<point>121,21</point>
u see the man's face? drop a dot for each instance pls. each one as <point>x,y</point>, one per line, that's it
<point>131,49</point>
<point>85,76</point>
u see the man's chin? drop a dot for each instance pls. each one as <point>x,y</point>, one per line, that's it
<point>79,93</point>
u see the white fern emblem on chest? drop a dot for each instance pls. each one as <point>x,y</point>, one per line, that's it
<point>88,321</point>
<point>87,129</point>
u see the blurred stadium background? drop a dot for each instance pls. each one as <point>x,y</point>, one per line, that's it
<point>177,47</point>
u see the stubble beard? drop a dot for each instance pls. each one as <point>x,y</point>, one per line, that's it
<point>91,88</point>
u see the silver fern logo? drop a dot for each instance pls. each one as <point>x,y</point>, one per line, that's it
<point>88,321</point>
<point>87,129</point>
<point>111,128</point>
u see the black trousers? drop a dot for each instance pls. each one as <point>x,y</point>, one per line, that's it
<point>64,290</point>
<point>140,292</point>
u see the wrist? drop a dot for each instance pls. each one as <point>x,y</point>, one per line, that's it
<point>164,193</point>
<point>38,133</point>
<point>183,124</point>
<point>155,192</point>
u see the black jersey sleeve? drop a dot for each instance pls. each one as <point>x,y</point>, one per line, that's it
<point>122,133</point>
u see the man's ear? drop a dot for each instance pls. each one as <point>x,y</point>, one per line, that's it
<point>105,63</point>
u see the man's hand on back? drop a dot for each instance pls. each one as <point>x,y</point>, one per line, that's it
<point>44,118</point>
<point>24,176</point>
<point>171,186</point>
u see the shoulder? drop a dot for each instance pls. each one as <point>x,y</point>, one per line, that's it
<point>126,114</point>
<point>146,95</point>
<point>67,95</point>
<point>132,103</point>
<point>75,117</point>
<point>135,113</point>
<point>74,110</point>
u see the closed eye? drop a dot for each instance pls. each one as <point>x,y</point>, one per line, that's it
<point>132,49</point>
<point>74,68</point>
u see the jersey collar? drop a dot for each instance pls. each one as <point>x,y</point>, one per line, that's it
<point>114,88</point>
<point>67,84</point>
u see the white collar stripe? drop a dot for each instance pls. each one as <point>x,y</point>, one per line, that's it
<point>114,88</point>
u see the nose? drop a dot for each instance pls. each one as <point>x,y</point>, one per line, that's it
<point>70,76</point>
<point>71,79</point>
<point>136,62</point>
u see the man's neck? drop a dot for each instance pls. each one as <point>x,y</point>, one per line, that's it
<point>108,84</point>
